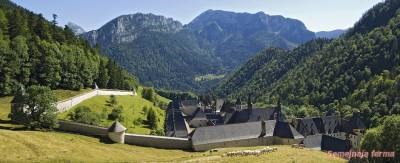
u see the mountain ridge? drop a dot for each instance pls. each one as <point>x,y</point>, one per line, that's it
<point>198,54</point>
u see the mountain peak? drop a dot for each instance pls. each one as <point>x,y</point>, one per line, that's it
<point>127,28</point>
<point>75,28</point>
<point>247,24</point>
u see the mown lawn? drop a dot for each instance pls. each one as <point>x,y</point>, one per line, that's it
<point>36,146</point>
<point>65,94</point>
<point>132,110</point>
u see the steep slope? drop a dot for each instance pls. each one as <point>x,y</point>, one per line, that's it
<point>260,72</point>
<point>330,34</point>
<point>356,72</point>
<point>34,51</point>
<point>157,49</point>
<point>236,36</point>
<point>165,54</point>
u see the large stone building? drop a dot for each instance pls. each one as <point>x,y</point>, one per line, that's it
<point>222,125</point>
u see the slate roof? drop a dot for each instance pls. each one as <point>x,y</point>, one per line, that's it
<point>354,122</point>
<point>327,143</point>
<point>116,127</point>
<point>317,125</point>
<point>216,119</point>
<point>331,124</point>
<point>222,133</point>
<point>255,114</point>
<point>189,107</point>
<point>238,131</point>
<point>285,130</point>
<point>176,126</point>
<point>199,119</point>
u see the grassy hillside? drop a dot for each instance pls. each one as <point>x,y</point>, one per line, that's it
<point>5,106</point>
<point>65,94</point>
<point>132,105</point>
<point>36,146</point>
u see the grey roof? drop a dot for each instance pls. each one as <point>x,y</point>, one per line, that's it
<point>199,119</point>
<point>189,107</point>
<point>331,124</point>
<point>354,122</point>
<point>255,114</point>
<point>221,133</point>
<point>327,143</point>
<point>176,126</point>
<point>249,130</point>
<point>285,130</point>
<point>317,125</point>
<point>116,127</point>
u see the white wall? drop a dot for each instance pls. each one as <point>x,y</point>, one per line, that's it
<point>158,141</point>
<point>71,102</point>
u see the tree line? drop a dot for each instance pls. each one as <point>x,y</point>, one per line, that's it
<point>34,51</point>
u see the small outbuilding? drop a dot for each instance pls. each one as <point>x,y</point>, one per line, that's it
<point>116,132</point>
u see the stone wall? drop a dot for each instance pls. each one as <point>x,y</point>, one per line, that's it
<point>173,142</point>
<point>83,129</point>
<point>158,141</point>
<point>71,102</point>
<point>286,141</point>
<point>261,141</point>
<point>354,139</point>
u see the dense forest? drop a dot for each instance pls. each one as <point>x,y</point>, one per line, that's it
<point>166,54</point>
<point>34,51</point>
<point>357,72</point>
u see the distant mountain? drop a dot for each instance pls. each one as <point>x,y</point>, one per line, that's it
<point>357,72</point>
<point>155,48</point>
<point>75,28</point>
<point>330,34</point>
<point>234,37</point>
<point>166,54</point>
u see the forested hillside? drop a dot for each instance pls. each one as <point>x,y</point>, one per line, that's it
<point>166,54</point>
<point>34,51</point>
<point>359,72</point>
<point>265,68</point>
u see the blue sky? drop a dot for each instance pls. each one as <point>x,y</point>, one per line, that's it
<point>317,15</point>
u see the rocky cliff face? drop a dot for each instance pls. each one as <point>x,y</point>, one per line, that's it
<point>164,53</point>
<point>237,36</point>
<point>127,28</point>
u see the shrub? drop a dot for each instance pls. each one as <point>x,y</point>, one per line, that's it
<point>112,101</point>
<point>145,110</point>
<point>39,110</point>
<point>116,114</point>
<point>148,94</point>
<point>152,119</point>
<point>138,121</point>
<point>158,132</point>
<point>83,114</point>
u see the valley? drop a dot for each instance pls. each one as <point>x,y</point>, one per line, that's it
<point>196,89</point>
